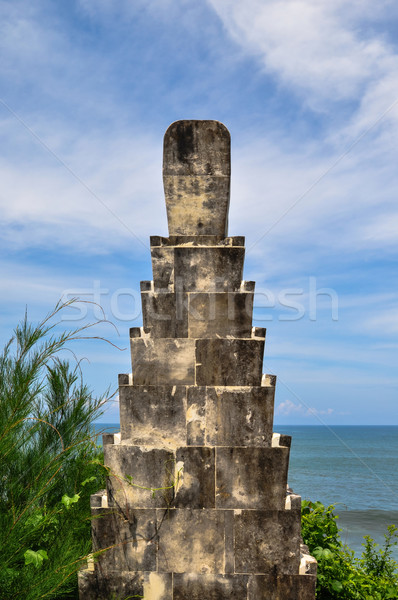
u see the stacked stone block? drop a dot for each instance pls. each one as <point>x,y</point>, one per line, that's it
<point>196,505</point>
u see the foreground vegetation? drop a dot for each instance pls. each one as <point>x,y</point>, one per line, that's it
<point>373,576</point>
<point>50,464</point>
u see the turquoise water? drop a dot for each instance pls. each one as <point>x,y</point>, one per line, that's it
<point>354,468</point>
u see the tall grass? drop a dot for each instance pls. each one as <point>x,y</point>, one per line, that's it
<point>49,463</point>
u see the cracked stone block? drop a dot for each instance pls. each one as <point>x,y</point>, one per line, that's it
<point>251,478</point>
<point>163,361</point>
<point>191,541</point>
<point>127,538</point>
<point>281,587</point>
<point>195,586</point>
<point>229,362</point>
<point>153,415</point>
<point>96,585</point>
<point>222,416</point>
<point>195,478</point>
<point>220,314</point>
<point>267,541</point>
<point>142,477</point>
<point>196,177</point>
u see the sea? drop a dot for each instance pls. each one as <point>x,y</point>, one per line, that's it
<point>355,468</point>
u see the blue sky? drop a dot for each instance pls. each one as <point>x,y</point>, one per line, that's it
<point>309,92</point>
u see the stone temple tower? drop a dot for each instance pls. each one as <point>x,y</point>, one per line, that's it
<point>196,505</point>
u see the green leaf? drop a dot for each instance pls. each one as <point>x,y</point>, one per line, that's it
<point>35,558</point>
<point>88,480</point>
<point>337,586</point>
<point>68,501</point>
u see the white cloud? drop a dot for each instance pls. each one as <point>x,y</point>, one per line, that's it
<point>316,48</point>
<point>288,408</point>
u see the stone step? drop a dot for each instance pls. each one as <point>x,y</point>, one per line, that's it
<point>186,540</point>
<point>170,416</point>
<point>149,585</point>
<point>184,361</point>
<point>197,314</point>
<point>197,476</point>
<point>202,268</point>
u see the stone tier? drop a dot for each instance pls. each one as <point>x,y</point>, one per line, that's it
<point>185,361</point>
<point>186,552</point>
<point>197,477</point>
<point>197,314</point>
<point>97,585</point>
<point>171,416</point>
<point>189,265</point>
<point>188,540</point>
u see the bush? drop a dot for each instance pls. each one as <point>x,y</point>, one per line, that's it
<point>373,576</point>
<point>49,464</point>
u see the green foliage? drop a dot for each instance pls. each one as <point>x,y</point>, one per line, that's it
<point>49,464</point>
<point>373,576</point>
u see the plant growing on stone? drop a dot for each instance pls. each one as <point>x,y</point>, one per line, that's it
<point>48,463</point>
<point>373,576</point>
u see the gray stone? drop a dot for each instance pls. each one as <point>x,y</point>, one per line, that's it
<point>195,478</point>
<point>220,314</point>
<point>281,587</point>
<point>191,541</point>
<point>197,240</point>
<point>140,477</point>
<point>251,478</point>
<point>159,314</point>
<point>153,415</point>
<point>267,541</point>
<point>208,269</point>
<point>127,539</point>
<point>100,585</point>
<point>196,177</point>
<point>194,586</point>
<point>163,361</point>
<point>229,362</point>
<point>222,416</point>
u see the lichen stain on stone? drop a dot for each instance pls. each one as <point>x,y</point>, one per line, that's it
<point>154,588</point>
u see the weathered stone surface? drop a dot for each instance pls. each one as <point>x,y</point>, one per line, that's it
<point>97,585</point>
<point>220,314</point>
<point>128,538</point>
<point>208,269</point>
<point>194,586</point>
<point>196,416</point>
<point>229,362</point>
<point>163,361</point>
<point>251,478</point>
<point>195,478</point>
<point>196,177</point>
<point>281,587</point>
<point>191,541</point>
<point>159,314</point>
<point>153,415</point>
<point>203,268</point>
<point>162,268</point>
<point>197,240</point>
<point>140,477</point>
<point>267,541</point>
<point>222,416</point>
